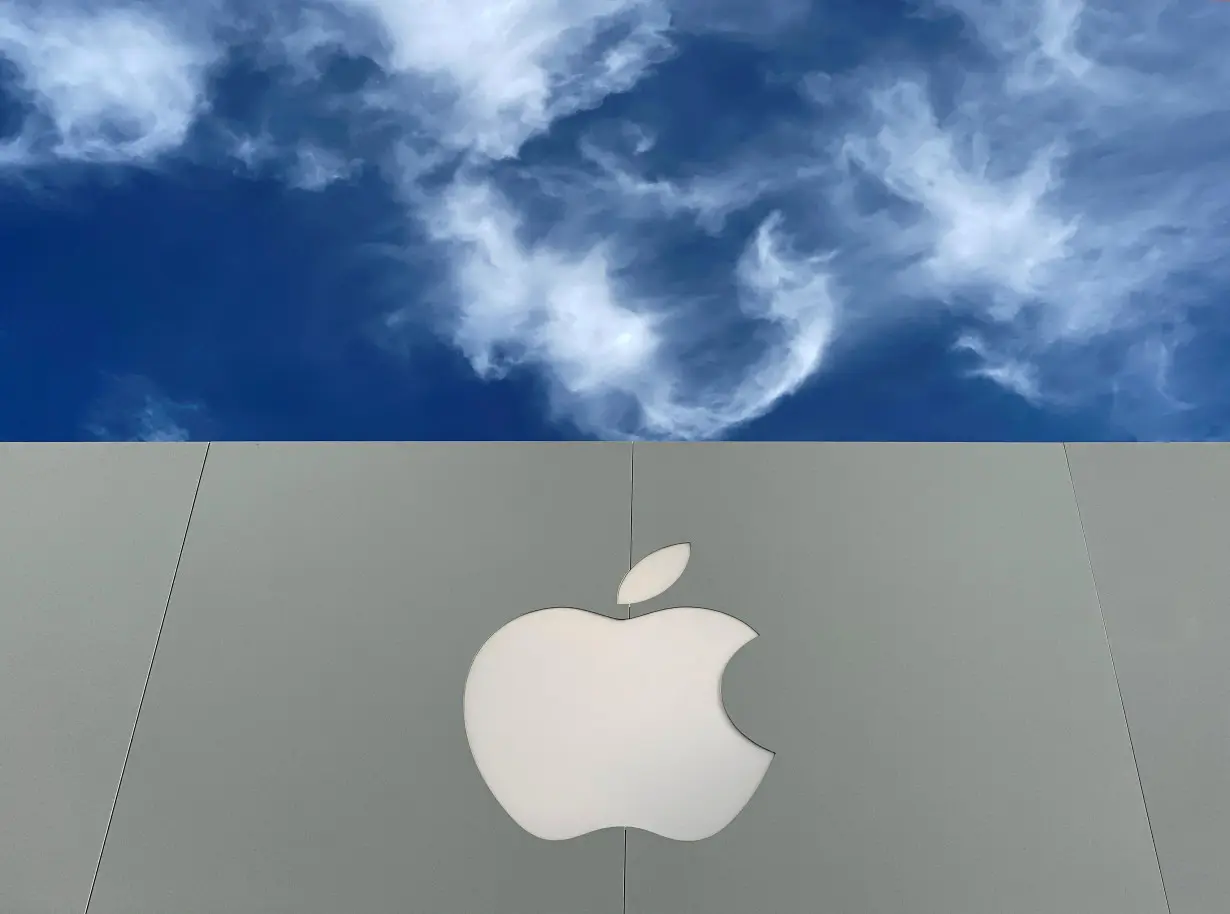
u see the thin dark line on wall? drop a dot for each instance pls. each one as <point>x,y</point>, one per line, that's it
<point>623,897</point>
<point>1114,671</point>
<point>145,688</point>
<point>631,521</point>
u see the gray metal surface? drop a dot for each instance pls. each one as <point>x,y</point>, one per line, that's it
<point>931,670</point>
<point>302,749</point>
<point>1157,518</point>
<point>89,536</point>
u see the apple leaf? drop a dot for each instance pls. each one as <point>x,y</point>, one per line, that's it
<point>654,574</point>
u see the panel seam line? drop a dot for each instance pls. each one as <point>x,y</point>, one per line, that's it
<point>631,520</point>
<point>1110,650</point>
<point>148,674</point>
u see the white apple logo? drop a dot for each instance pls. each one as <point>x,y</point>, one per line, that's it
<point>580,722</point>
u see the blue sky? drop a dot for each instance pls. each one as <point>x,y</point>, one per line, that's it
<point>555,219</point>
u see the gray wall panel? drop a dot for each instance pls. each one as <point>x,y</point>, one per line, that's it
<point>931,670</point>
<point>302,749</point>
<point>89,537</point>
<point>1157,518</point>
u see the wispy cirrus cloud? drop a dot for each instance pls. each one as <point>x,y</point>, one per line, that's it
<point>104,84</point>
<point>619,358</point>
<point>133,408</point>
<point>1028,189</point>
<point>1064,198</point>
<point>1050,187</point>
<point>486,77</point>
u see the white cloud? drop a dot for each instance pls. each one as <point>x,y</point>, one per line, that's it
<point>542,305</point>
<point>109,84</point>
<point>995,234</point>
<point>563,312</point>
<point>1067,200</point>
<point>488,75</point>
<point>132,408</point>
<point>1011,374</point>
<point>154,427</point>
<point>316,168</point>
<point>619,190</point>
<point>619,360</point>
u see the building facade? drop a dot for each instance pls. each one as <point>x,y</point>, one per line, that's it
<point>994,676</point>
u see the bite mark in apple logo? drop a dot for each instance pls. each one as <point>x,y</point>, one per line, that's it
<point>580,722</point>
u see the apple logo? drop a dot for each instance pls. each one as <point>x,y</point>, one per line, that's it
<point>580,722</point>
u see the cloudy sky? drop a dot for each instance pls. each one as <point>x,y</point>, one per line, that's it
<point>543,219</point>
